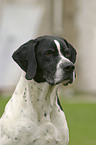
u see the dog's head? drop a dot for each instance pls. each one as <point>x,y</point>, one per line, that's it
<point>47,59</point>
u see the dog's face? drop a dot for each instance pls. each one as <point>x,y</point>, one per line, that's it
<point>47,59</point>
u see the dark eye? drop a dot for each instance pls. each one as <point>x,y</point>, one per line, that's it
<point>48,53</point>
<point>67,53</point>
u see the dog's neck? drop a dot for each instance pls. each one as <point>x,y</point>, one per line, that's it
<point>40,96</point>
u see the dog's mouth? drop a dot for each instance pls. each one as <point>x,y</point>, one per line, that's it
<point>67,81</point>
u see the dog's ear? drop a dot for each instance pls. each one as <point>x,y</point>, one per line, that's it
<point>24,56</point>
<point>73,51</point>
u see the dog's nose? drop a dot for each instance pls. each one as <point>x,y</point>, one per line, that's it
<point>69,67</point>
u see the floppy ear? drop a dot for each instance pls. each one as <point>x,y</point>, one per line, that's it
<point>72,49</point>
<point>24,56</point>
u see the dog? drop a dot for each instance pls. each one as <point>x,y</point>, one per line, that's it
<point>34,116</point>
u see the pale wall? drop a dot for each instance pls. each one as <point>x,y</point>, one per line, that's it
<point>86,23</point>
<point>79,28</point>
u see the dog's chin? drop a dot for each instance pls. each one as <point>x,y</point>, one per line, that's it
<point>67,82</point>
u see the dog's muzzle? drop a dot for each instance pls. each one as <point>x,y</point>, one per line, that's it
<point>68,69</point>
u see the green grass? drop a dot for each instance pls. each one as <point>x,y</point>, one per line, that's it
<point>3,101</point>
<point>81,119</point>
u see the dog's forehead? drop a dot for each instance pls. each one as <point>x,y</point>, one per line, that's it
<point>52,42</point>
<point>57,45</point>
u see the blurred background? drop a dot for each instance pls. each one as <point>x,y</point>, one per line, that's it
<point>74,20</point>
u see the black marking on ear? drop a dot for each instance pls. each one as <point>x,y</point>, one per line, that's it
<point>25,58</point>
<point>72,49</point>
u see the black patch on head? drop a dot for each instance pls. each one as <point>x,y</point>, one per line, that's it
<point>47,59</point>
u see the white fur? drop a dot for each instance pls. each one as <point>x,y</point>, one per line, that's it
<point>59,70</point>
<point>33,117</point>
<point>60,54</point>
<point>74,75</point>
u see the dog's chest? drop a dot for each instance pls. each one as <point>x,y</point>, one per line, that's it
<point>27,131</point>
<point>41,132</point>
<point>33,121</point>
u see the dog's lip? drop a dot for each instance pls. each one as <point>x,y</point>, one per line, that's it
<point>66,82</point>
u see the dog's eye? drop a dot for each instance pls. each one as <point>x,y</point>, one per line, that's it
<point>67,53</point>
<point>48,53</point>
